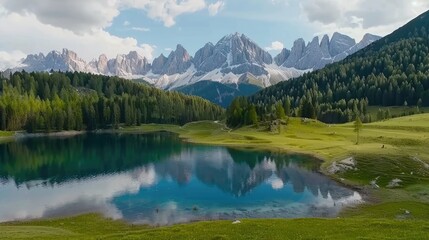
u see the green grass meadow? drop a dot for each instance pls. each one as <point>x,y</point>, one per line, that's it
<point>96,227</point>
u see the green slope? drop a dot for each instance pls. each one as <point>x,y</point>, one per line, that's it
<point>393,71</point>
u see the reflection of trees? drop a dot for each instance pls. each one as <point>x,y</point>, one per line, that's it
<point>58,160</point>
<point>54,160</point>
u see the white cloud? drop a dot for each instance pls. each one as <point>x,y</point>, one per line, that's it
<point>165,10</point>
<point>10,59</point>
<point>97,192</point>
<point>79,25</point>
<point>357,17</point>
<point>276,184</point>
<point>214,8</point>
<point>141,29</point>
<point>146,50</point>
<point>323,11</point>
<point>168,49</point>
<point>80,16</point>
<point>32,36</point>
<point>275,46</point>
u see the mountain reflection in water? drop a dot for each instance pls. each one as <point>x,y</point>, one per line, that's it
<point>157,179</point>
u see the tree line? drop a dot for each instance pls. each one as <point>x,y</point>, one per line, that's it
<point>59,101</point>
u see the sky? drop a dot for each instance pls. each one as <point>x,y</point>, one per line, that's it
<point>152,27</point>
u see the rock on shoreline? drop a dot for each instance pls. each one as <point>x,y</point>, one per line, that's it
<point>342,166</point>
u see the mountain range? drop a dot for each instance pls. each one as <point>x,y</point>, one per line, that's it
<point>235,60</point>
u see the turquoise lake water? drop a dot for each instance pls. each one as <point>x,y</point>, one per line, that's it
<point>158,179</point>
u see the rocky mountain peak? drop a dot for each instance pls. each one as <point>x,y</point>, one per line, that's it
<point>101,64</point>
<point>231,37</point>
<point>134,55</point>
<point>129,64</point>
<point>312,56</point>
<point>324,46</point>
<point>178,61</point>
<point>102,57</point>
<point>158,64</point>
<point>315,56</point>
<point>369,38</point>
<point>233,53</point>
<point>281,58</point>
<point>182,53</point>
<point>233,56</point>
<point>34,60</point>
<point>69,54</point>
<point>296,53</point>
<point>56,61</point>
<point>202,54</point>
<point>340,43</point>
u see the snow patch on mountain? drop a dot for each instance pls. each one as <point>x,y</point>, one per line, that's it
<point>234,59</point>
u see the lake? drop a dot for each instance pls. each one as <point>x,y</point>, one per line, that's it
<point>158,179</point>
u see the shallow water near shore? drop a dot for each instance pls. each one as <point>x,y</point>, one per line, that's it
<point>157,179</point>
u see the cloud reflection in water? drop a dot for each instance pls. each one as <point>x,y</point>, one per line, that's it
<point>185,183</point>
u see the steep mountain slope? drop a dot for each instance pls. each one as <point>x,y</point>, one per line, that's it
<point>316,55</point>
<point>234,59</point>
<point>394,71</point>
<point>226,62</point>
<point>221,94</point>
<point>65,61</point>
<point>177,62</point>
<point>238,54</point>
<point>131,64</point>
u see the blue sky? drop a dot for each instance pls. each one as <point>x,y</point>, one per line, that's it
<point>152,27</point>
<point>264,23</point>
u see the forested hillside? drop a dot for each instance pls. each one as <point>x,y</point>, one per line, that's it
<point>219,93</point>
<point>391,72</point>
<point>75,101</point>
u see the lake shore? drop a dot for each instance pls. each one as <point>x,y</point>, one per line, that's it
<point>92,226</point>
<point>11,136</point>
<point>397,138</point>
<point>394,149</point>
<point>20,135</point>
<point>387,151</point>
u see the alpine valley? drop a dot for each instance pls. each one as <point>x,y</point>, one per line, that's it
<point>326,140</point>
<point>234,66</point>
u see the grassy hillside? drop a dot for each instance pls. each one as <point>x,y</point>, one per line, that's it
<point>95,227</point>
